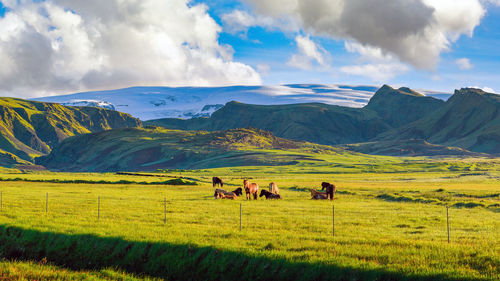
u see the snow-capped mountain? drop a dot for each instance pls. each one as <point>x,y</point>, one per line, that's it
<point>148,103</point>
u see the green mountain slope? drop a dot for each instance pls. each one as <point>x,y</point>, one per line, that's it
<point>398,107</point>
<point>142,149</point>
<point>29,129</point>
<point>315,122</point>
<point>318,123</point>
<point>470,119</point>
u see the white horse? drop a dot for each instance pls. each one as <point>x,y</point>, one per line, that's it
<point>273,188</point>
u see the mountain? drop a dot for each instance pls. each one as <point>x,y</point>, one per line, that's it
<point>142,149</point>
<point>148,103</point>
<point>29,129</point>
<point>470,119</point>
<point>315,122</point>
<point>402,106</point>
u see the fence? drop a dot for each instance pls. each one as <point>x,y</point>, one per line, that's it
<point>294,217</point>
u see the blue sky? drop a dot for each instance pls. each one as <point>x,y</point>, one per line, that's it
<point>275,47</point>
<point>56,47</point>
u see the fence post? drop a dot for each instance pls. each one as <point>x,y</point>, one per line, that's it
<point>165,211</point>
<point>98,207</point>
<point>47,202</point>
<point>240,216</point>
<point>448,223</point>
<point>333,220</point>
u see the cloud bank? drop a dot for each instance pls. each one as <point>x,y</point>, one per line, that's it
<point>56,46</point>
<point>413,31</point>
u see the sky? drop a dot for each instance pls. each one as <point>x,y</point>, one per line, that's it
<point>51,47</point>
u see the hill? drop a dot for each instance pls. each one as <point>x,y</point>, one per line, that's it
<point>142,149</point>
<point>315,122</point>
<point>29,129</point>
<point>470,119</point>
<point>412,147</point>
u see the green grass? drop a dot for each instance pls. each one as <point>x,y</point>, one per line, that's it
<point>397,239</point>
<point>177,181</point>
<point>10,270</point>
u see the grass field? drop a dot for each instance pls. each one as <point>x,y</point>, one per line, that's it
<point>42,271</point>
<point>389,224</point>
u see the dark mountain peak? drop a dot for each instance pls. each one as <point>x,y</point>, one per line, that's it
<point>387,91</point>
<point>473,97</point>
<point>470,119</point>
<point>470,91</point>
<point>410,92</point>
<point>401,106</point>
<point>385,88</point>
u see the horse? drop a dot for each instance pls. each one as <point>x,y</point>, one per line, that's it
<point>218,192</point>
<point>330,189</point>
<point>217,181</point>
<point>251,188</point>
<point>318,194</point>
<point>269,195</point>
<point>221,193</point>
<point>273,188</point>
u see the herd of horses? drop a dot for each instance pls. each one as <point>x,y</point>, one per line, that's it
<point>252,189</point>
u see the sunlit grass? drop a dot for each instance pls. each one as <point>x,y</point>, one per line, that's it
<point>40,271</point>
<point>370,233</point>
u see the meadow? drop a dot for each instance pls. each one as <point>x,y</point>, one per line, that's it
<point>390,224</point>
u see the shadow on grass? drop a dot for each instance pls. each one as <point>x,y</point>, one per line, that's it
<point>173,262</point>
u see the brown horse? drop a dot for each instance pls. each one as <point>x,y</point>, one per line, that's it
<point>269,195</point>
<point>330,189</point>
<point>222,194</point>
<point>273,188</point>
<point>217,181</point>
<point>251,189</point>
<point>318,194</point>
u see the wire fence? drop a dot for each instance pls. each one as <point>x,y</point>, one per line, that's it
<point>295,217</point>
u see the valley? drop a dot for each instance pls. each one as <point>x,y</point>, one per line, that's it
<point>95,193</point>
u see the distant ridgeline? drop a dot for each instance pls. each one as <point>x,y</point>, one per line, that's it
<point>470,120</point>
<point>29,129</point>
<point>394,122</point>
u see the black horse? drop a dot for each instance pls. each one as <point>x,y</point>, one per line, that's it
<point>238,191</point>
<point>217,181</point>
<point>330,189</point>
<point>269,195</point>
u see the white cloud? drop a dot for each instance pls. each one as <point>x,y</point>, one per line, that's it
<point>368,53</point>
<point>57,46</point>
<point>493,2</point>
<point>238,22</point>
<point>379,72</point>
<point>486,89</point>
<point>464,64</point>
<point>309,54</point>
<point>414,31</point>
<point>373,63</point>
